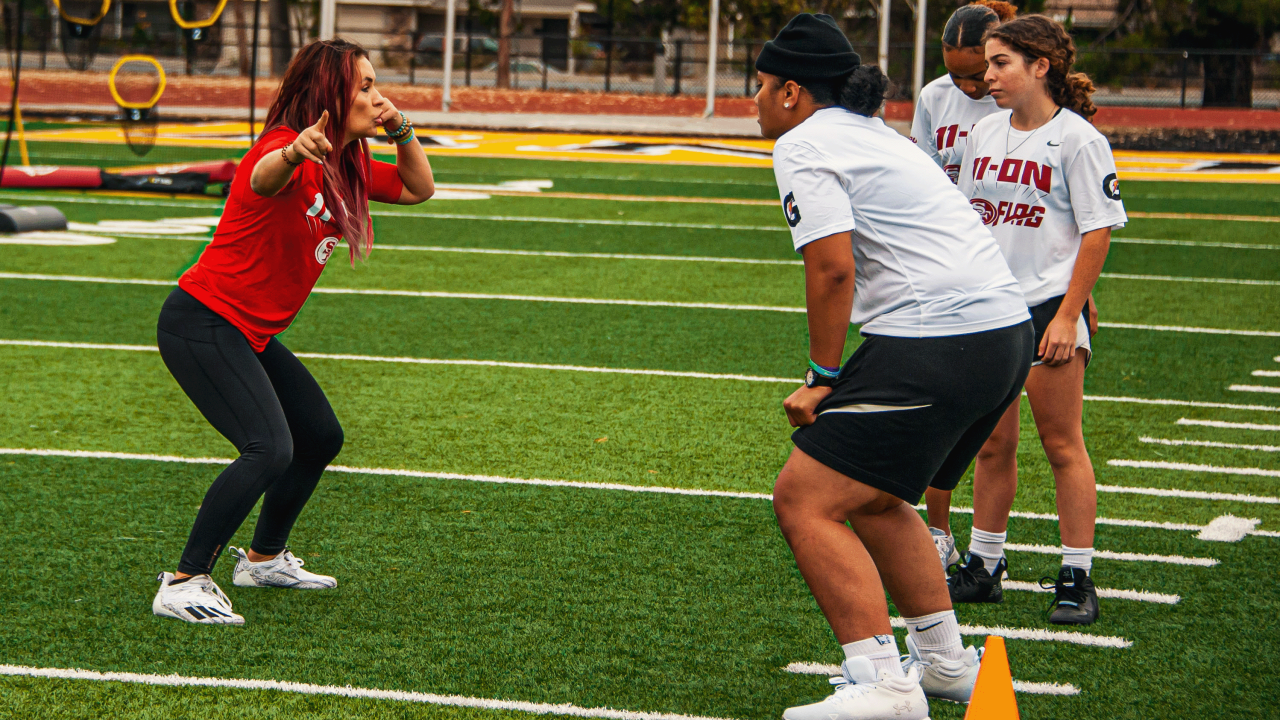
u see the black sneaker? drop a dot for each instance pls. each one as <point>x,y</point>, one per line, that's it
<point>1075,600</point>
<point>971,583</point>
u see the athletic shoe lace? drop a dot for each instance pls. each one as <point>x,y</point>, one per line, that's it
<point>291,560</point>
<point>1063,594</point>
<point>964,576</point>
<point>847,689</point>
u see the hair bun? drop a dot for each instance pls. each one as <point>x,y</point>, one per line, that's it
<point>864,90</point>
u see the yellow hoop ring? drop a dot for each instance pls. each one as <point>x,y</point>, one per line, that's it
<point>106,7</point>
<point>194,24</point>
<point>111,82</point>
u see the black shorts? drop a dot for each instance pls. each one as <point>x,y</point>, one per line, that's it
<point>1045,312</point>
<point>908,413</point>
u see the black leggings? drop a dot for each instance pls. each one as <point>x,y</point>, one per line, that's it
<point>268,406</point>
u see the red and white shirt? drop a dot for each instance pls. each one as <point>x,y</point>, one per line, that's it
<point>1039,192</point>
<point>944,118</point>
<point>268,252</point>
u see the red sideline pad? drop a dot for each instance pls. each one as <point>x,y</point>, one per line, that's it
<point>220,171</point>
<point>88,178</point>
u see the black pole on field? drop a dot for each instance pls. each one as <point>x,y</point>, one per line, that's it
<point>608,51</point>
<point>747,64</point>
<point>678,69</point>
<point>15,73</point>
<point>253,74</point>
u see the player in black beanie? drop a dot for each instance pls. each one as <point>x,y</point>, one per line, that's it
<point>812,58</point>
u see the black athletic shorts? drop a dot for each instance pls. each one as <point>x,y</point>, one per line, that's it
<point>907,413</point>
<point>1045,312</point>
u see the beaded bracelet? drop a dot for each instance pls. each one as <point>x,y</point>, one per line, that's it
<point>404,129</point>
<point>407,138</point>
<point>284,154</point>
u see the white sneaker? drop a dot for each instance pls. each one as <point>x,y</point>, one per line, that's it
<point>283,571</point>
<point>941,678</point>
<point>198,600</point>
<point>946,545</point>
<point>860,695</point>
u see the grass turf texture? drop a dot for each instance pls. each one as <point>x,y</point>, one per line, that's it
<point>654,603</point>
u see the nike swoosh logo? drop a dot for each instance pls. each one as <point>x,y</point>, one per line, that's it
<point>926,627</point>
<point>1053,144</point>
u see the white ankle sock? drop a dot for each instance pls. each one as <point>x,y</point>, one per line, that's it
<point>881,650</point>
<point>989,546</point>
<point>1077,558</point>
<point>938,633</point>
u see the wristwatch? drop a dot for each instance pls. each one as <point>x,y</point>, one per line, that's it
<point>813,379</point>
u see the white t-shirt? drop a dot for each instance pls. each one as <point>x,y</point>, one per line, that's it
<point>1039,192</point>
<point>925,265</point>
<point>944,118</point>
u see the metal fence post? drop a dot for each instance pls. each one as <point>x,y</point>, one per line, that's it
<point>544,70</point>
<point>468,50</point>
<point>675,85</point>
<point>1185,55</point>
<point>748,63</point>
<point>608,60</point>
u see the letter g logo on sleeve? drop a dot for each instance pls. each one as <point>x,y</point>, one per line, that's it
<point>791,209</point>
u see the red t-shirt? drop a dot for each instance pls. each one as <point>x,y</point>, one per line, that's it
<point>268,252</point>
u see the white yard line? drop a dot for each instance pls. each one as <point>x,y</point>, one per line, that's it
<point>1028,688</point>
<point>1255,389</point>
<point>1171,278</point>
<point>577,221</point>
<point>578,300</point>
<point>1230,425</point>
<point>1193,243</point>
<point>341,691</point>
<point>500,480</point>
<point>1190,494</point>
<point>1117,556</point>
<point>1135,595</point>
<point>1036,634</point>
<point>1192,467</point>
<point>599,256</point>
<point>1193,330</point>
<point>1266,373</point>
<point>1210,443</point>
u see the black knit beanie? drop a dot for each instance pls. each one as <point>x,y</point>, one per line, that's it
<point>810,47</point>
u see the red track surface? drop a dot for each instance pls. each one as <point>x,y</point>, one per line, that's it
<point>71,90</point>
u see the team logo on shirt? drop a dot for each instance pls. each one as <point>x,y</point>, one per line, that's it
<point>325,249</point>
<point>791,209</point>
<point>1111,186</point>
<point>986,210</point>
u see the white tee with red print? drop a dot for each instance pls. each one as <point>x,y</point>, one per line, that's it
<point>944,118</point>
<point>1039,191</point>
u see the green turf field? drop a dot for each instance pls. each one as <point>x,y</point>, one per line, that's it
<point>456,584</point>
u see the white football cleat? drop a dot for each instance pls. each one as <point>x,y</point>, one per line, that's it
<point>946,545</point>
<point>282,571</point>
<point>861,695</point>
<point>941,678</point>
<point>198,600</point>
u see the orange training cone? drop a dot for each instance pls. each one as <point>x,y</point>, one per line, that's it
<point>993,694</point>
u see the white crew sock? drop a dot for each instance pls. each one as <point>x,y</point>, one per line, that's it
<point>1077,558</point>
<point>881,650</point>
<point>938,633</point>
<point>989,546</point>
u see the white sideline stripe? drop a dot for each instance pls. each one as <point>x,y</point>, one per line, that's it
<point>1255,388</point>
<point>1191,467</point>
<point>1210,443</point>
<point>1137,595</point>
<point>87,200</point>
<point>604,256</point>
<point>1231,425</point>
<point>400,473</point>
<point>343,691</point>
<point>1194,243</point>
<point>1266,373</point>
<point>622,371</point>
<point>1036,634</point>
<point>578,221</point>
<point>580,301</point>
<point>1196,330</point>
<point>1118,556</point>
<point>1028,688</point>
<point>496,479</point>
<point>431,361</point>
<point>1170,278</point>
<point>1191,494</point>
